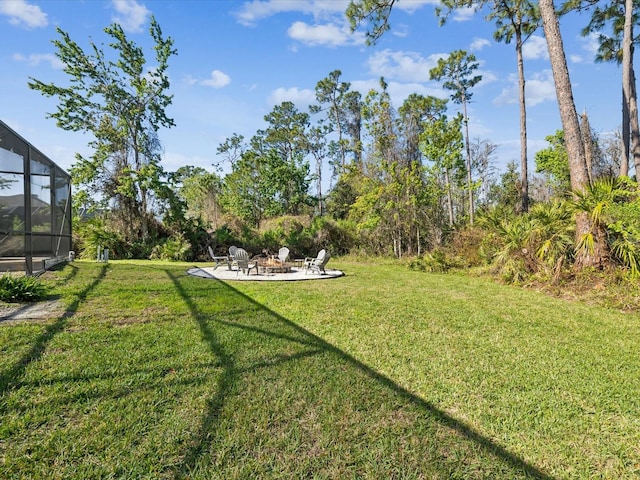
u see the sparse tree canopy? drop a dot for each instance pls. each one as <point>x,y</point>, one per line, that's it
<point>121,102</point>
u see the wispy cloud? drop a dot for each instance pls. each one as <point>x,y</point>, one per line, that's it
<point>252,12</point>
<point>478,44</point>
<point>36,59</point>
<point>23,14</point>
<point>590,44</point>
<point>130,14</point>
<point>539,88</point>
<point>414,5</point>
<point>403,66</point>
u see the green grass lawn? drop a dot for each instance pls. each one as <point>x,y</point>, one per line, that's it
<point>383,373</point>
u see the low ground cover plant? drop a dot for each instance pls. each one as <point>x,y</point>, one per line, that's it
<point>21,288</point>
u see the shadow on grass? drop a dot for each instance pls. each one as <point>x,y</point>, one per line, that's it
<point>450,446</point>
<point>10,378</point>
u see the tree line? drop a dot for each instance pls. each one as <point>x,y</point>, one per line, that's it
<point>404,178</point>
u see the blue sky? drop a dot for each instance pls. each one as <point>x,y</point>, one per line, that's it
<point>237,60</point>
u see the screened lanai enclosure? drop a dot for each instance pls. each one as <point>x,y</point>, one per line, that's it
<point>35,207</point>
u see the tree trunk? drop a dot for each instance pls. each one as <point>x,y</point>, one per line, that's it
<point>597,256</point>
<point>635,125</point>
<point>627,86</point>
<point>585,127</point>
<point>468,149</point>
<point>625,131</point>
<point>627,54</point>
<point>449,198</point>
<point>524,173</point>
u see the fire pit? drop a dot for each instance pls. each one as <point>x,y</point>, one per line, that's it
<point>270,265</point>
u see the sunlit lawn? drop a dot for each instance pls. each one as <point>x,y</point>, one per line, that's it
<point>383,373</point>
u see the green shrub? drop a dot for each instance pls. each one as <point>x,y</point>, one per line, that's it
<point>176,248</point>
<point>437,261</point>
<point>21,289</point>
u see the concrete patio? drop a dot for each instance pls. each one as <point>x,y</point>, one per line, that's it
<point>297,274</point>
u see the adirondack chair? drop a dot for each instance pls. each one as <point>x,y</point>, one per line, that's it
<point>283,254</point>
<point>243,262</point>
<point>218,260</point>
<point>232,257</point>
<point>317,264</point>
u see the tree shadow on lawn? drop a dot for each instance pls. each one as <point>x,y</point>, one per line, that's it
<point>291,405</point>
<point>11,378</point>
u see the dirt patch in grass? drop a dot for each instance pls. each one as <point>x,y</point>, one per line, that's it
<point>45,310</point>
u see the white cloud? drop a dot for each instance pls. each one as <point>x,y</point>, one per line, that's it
<point>535,48</point>
<point>23,14</point>
<point>131,14</point>
<point>463,14</point>
<point>36,59</point>
<point>301,98</point>
<point>576,58</point>
<point>218,79</point>
<point>253,11</point>
<point>478,44</point>
<point>407,66</point>
<point>328,34</point>
<point>539,88</point>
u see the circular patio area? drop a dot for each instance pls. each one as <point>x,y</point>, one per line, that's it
<point>296,274</point>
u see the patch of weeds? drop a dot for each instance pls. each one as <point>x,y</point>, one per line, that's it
<point>21,289</point>
<point>436,261</point>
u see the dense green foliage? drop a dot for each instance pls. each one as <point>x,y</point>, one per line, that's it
<point>400,186</point>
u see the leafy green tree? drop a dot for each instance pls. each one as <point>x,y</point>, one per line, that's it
<point>231,149</point>
<point>505,193</point>
<point>375,13</point>
<point>264,185</point>
<point>414,112</point>
<point>345,192</point>
<point>285,133</point>
<point>200,191</point>
<point>441,143</point>
<point>380,124</point>
<point>121,102</point>
<point>553,162</point>
<point>457,74</point>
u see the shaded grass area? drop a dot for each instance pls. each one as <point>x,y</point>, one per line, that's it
<point>384,373</point>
